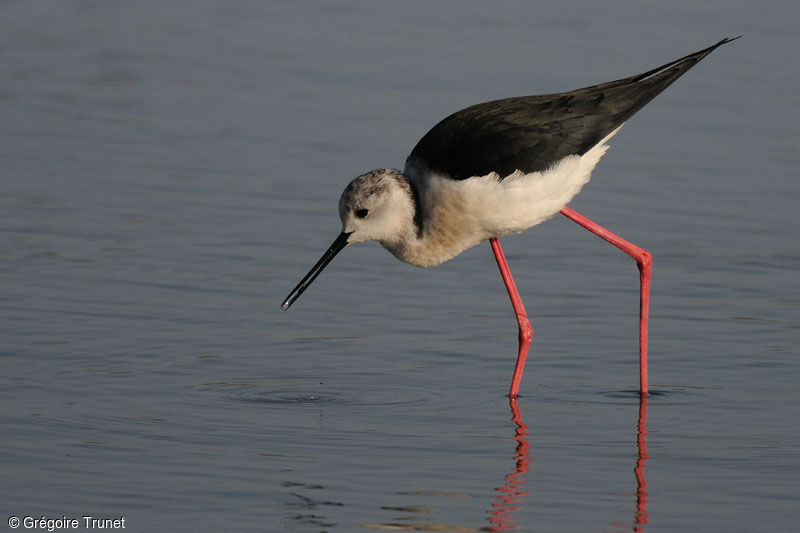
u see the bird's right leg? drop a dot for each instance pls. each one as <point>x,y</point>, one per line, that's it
<point>525,328</point>
<point>644,261</point>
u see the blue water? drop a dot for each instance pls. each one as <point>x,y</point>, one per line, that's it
<point>170,170</point>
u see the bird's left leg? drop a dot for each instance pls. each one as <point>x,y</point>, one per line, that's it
<point>644,261</point>
<point>525,328</point>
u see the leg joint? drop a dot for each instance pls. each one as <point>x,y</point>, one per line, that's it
<point>644,260</point>
<point>525,328</point>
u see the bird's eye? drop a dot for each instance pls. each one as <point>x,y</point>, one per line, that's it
<point>361,213</point>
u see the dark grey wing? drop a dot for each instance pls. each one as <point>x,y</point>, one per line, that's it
<point>531,133</point>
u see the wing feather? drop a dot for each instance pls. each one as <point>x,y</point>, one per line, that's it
<point>531,133</point>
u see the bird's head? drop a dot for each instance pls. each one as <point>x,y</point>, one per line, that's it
<point>376,206</point>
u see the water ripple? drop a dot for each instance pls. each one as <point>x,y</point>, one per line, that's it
<point>288,393</point>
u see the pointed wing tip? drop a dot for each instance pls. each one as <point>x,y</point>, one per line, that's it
<point>726,40</point>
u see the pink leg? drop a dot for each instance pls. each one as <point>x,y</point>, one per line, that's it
<point>525,329</point>
<point>644,261</point>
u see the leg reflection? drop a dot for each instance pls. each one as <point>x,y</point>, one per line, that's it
<point>513,491</point>
<point>642,517</point>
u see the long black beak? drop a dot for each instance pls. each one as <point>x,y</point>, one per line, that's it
<point>336,247</point>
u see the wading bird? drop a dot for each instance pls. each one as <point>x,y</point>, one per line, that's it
<point>497,168</point>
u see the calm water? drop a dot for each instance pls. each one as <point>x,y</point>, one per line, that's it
<point>168,175</point>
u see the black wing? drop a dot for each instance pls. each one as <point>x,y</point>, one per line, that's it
<point>531,133</point>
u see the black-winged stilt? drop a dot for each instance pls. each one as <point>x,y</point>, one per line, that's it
<point>497,168</point>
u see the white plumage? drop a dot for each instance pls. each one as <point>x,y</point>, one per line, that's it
<point>456,214</point>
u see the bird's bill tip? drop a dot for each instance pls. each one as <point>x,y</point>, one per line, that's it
<point>330,253</point>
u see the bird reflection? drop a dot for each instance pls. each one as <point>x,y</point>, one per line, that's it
<point>513,492</point>
<point>641,517</point>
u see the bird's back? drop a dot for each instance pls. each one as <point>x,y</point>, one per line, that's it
<point>532,133</point>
